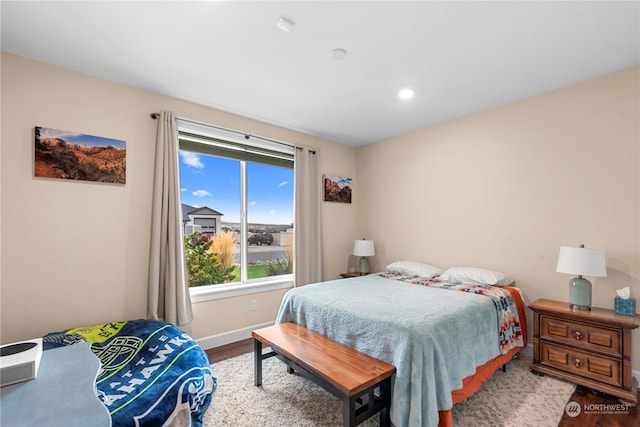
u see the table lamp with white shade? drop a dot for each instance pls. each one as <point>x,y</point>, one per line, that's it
<point>581,261</point>
<point>364,248</point>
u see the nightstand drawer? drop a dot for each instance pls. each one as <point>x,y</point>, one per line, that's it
<point>587,337</point>
<point>592,348</point>
<point>588,365</point>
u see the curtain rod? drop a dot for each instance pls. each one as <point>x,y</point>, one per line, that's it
<point>244,134</point>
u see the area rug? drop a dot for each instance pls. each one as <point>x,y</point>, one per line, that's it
<point>516,398</point>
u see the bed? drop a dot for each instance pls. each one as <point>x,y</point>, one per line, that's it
<point>152,373</point>
<point>446,335</point>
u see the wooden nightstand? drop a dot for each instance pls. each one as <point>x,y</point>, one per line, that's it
<point>590,348</point>
<point>354,274</point>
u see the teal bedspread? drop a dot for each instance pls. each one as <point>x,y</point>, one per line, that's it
<point>434,337</point>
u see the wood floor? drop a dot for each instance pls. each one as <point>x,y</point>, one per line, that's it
<point>606,411</point>
<point>230,350</point>
<point>596,403</point>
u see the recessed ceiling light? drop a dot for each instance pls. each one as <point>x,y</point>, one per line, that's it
<point>286,24</point>
<point>338,54</point>
<point>406,93</point>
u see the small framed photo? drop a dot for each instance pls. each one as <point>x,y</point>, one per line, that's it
<point>337,189</point>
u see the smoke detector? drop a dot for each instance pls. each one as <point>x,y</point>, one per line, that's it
<point>338,54</point>
<point>286,24</point>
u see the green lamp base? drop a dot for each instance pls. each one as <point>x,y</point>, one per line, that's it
<point>580,294</point>
<point>364,265</point>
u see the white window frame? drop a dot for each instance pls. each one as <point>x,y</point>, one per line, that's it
<point>245,287</point>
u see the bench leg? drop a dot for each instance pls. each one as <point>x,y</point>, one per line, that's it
<point>348,412</point>
<point>368,404</point>
<point>385,413</point>
<point>257,362</point>
<point>385,419</point>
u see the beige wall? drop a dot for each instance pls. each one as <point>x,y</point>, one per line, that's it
<point>502,189</point>
<point>76,253</point>
<point>505,188</point>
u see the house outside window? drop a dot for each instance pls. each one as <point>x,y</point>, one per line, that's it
<point>237,209</point>
<point>204,220</point>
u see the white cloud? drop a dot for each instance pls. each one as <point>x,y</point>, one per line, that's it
<point>272,211</point>
<point>54,133</point>
<point>183,189</point>
<point>191,160</point>
<point>252,203</point>
<point>283,183</point>
<point>201,193</point>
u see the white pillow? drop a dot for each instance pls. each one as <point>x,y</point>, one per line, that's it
<point>414,268</point>
<point>476,275</point>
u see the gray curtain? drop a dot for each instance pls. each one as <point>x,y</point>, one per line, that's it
<point>168,297</point>
<point>307,217</point>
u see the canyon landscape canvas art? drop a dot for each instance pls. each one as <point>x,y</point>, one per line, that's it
<point>76,156</point>
<point>337,189</point>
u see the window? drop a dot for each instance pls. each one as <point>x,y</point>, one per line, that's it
<point>237,210</point>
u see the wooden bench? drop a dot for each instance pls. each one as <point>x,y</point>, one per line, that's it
<point>361,381</point>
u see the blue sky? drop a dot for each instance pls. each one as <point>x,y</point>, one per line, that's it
<point>79,138</point>
<point>215,182</point>
<point>340,181</point>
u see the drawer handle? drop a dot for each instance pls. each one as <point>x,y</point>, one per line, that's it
<point>577,362</point>
<point>577,334</point>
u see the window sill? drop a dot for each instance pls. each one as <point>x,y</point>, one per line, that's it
<point>213,292</point>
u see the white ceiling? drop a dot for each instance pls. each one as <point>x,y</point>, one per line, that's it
<point>460,57</point>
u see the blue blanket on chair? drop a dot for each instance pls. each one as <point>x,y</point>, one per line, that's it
<point>153,374</point>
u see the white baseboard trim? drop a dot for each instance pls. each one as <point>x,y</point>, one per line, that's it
<point>230,336</point>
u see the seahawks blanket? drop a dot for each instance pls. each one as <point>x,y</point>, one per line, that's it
<point>152,374</point>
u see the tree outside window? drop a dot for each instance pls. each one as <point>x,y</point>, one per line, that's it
<point>249,215</point>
